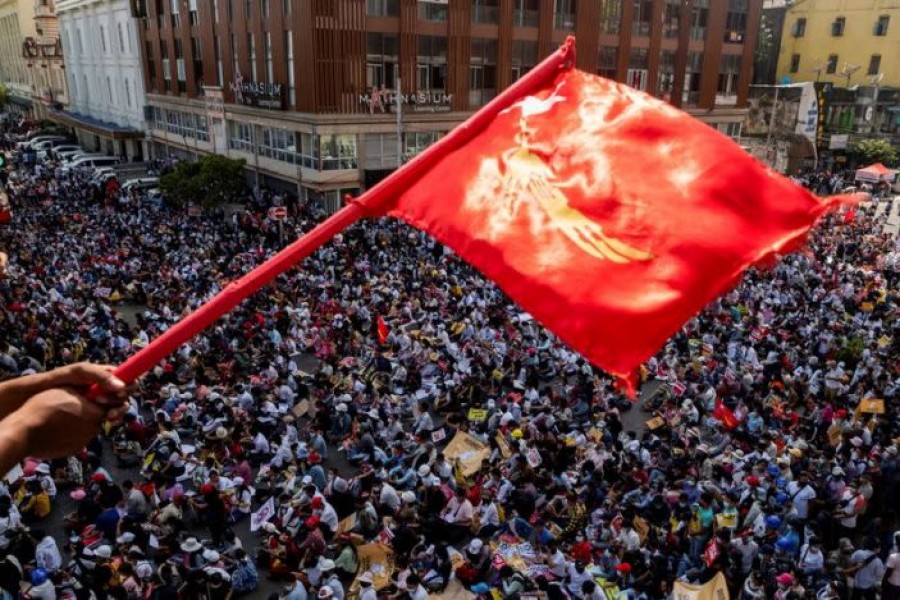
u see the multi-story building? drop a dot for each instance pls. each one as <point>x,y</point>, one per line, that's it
<point>105,73</point>
<point>844,42</point>
<point>304,90</point>
<point>16,23</point>
<point>44,56</point>
<point>31,64</point>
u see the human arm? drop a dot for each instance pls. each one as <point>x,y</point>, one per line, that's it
<point>15,392</point>
<point>52,424</point>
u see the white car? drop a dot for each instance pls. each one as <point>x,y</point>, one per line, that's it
<point>66,155</point>
<point>141,184</point>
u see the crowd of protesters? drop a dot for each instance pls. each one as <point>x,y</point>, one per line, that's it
<point>770,455</point>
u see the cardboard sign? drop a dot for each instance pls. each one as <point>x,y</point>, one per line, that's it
<point>438,435</point>
<point>872,406</point>
<point>468,451</point>
<point>347,525</point>
<point>715,589</point>
<point>377,559</point>
<point>503,445</point>
<point>834,435</point>
<point>655,423</point>
<point>14,474</point>
<point>726,521</point>
<point>478,415</point>
<point>300,409</point>
<point>641,527</point>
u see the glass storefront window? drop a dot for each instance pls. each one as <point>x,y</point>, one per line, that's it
<point>338,152</point>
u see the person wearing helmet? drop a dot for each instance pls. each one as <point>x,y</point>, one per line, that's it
<point>42,587</point>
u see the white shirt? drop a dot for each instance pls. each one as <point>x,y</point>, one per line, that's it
<point>801,497</point>
<point>458,512</point>
<point>46,555</point>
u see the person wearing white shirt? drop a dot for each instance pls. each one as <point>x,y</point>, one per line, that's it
<point>812,560</point>
<point>46,553</point>
<point>389,498</point>
<point>801,493</point>
<point>457,515</point>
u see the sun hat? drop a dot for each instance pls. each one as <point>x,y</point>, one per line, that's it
<point>43,469</point>
<point>103,551</point>
<point>210,556</point>
<point>125,538</point>
<point>191,545</point>
<point>326,592</point>
<point>475,546</point>
<point>366,578</point>
<point>408,497</point>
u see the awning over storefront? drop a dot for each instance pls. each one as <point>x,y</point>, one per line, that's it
<point>95,126</point>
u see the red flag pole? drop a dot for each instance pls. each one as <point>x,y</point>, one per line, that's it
<point>372,203</point>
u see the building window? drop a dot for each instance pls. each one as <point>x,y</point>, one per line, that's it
<point>192,12</point>
<point>416,142</point>
<point>795,63</point>
<point>640,23</point>
<point>692,72</point>
<point>525,13</point>
<point>671,18</point>
<point>128,92</point>
<point>482,71</point>
<point>432,63</point>
<point>248,10</point>
<point>166,65</point>
<point>831,67</point>
<point>121,38</point>
<point>609,62</point>
<point>338,152</point>
<point>837,28</point>
<point>280,145</point>
<point>729,74</point>
<point>78,39</point>
<point>638,62</point>
<point>736,22</point>
<point>241,137</point>
<point>383,8</point>
<point>564,14</point>
<point>286,7</point>
<point>176,15</point>
<point>611,17</point>
<point>197,59</point>
<point>265,8</point>
<point>699,18</point>
<point>875,64</point>
<point>381,59</point>
<point>251,47</point>
<point>524,57</point>
<point>432,10</point>
<point>486,11</point>
<point>799,29</point>
<point>289,53</point>
<point>732,130</point>
<point>216,12</point>
<point>109,94</point>
<point>235,63</point>
<point>881,26</point>
<point>151,64</point>
<point>103,39</point>
<point>665,75</point>
<point>180,71</point>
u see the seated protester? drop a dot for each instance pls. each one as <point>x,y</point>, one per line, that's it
<point>41,588</point>
<point>476,565</point>
<point>244,577</point>
<point>35,505</point>
<point>347,561</point>
<point>107,522</point>
<point>218,585</point>
<point>456,518</point>
<point>131,583</point>
<point>46,552</point>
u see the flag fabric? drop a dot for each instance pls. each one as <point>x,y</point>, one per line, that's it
<point>678,389</point>
<point>383,331</point>
<point>610,216</point>
<point>850,215</point>
<point>724,415</point>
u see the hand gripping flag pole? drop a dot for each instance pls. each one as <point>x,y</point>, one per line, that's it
<point>371,202</point>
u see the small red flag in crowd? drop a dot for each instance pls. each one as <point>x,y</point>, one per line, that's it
<point>724,415</point>
<point>609,215</point>
<point>383,331</point>
<point>850,215</point>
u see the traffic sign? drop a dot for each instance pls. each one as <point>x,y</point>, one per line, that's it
<point>278,213</point>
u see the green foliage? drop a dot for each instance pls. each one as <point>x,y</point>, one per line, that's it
<point>4,96</point>
<point>212,180</point>
<point>875,150</point>
<point>851,351</point>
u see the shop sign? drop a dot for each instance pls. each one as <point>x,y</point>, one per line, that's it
<point>255,93</point>
<point>426,101</point>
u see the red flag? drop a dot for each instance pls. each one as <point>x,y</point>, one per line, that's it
<point>724,415</point>
<point>850,215</point>
<point>678,389</point>
<point>383,331</point>
<point>609,215</point>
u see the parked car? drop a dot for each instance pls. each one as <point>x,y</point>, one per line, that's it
<point>64,153</point>
<point>90,162</point>
<point>141,184</point>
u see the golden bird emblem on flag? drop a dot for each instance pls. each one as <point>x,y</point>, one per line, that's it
<point>527,175</point>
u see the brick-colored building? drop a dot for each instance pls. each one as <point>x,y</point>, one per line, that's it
<point>288,84</point>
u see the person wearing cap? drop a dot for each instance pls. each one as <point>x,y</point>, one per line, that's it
<point>346,562</point>
<point>476,564</point>
<point>330,579</point>
<point>367,586</point>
